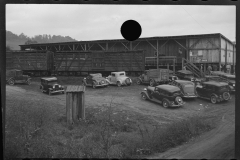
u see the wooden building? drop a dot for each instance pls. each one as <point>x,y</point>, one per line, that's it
<point>198,49</point>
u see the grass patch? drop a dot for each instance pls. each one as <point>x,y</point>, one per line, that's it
<point>35,131</point>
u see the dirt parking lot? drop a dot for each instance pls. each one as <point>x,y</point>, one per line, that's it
<point>128,99</point>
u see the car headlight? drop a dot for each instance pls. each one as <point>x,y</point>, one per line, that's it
<point>233,85</point>
<point>53,86</point>
<point>145,89</point>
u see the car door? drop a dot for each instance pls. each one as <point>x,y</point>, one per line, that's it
<point>113,78</point>
<point>18,76</point>
<point>200,89</point>
<point>89,80</point>
<point>157,94</point>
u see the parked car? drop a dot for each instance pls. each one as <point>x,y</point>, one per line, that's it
<point>154,77</point>
<point>172,78</point>
<point>50,85</point>
<point>16,76</point>
<point>228,78</point>
<point>119,79</point>
<point>214,91</point>
<point>187,88</point>
<point>167,95</point>
<point>95,80</point>
<point>185,75</point>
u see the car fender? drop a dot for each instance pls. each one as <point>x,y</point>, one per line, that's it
<point>145,92</point>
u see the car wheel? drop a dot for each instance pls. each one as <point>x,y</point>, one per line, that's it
<point>118,84</point>
<point>226,96</point>
<point>165,103</point>
<point>144,96</point>
<point>178,100</point>
<point>29,82</point>
<point>94,85</point>
<point>213,99</point>
<point>152,83</point>
<point>138,81</point>
<point>11,82</point>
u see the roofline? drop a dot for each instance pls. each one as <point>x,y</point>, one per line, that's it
<point>140,39</point>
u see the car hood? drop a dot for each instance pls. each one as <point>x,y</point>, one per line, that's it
<point>98,79</point>
<point>150,88</point>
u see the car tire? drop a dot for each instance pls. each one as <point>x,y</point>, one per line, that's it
<point>143,96</point>
<point>11,82</point>
<point>179,100</point>
<point>226,96</point>
<point>138,81</point>
<point>152,83</point>
<point>213,99</point>
<point>94,85</point>
<point>165,103</point>
<point>118,84</point>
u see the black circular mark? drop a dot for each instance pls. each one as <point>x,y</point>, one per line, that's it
<point>131,30</point>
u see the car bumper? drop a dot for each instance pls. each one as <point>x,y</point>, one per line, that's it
<point>57,91</point>
<point>187,96</point>
<point>177,105</point>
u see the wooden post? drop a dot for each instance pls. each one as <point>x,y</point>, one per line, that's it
<point>75,108</point>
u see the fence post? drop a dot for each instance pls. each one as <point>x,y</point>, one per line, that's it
<point>75,106</point>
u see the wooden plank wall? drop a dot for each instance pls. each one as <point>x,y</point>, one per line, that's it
<point>27,60</point>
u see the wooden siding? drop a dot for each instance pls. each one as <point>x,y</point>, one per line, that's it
<point>99,61</point>
<point>27,60</point>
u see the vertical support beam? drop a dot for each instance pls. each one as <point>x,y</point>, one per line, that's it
<point>157,56</point>
<point>130,46</point>
<point>73,47</point>
<point>85,45</point>
<point>187,49</point>
<point>219,50</point>
<point>107,46</point>
<point>226,53</point>
<point>174,61</point>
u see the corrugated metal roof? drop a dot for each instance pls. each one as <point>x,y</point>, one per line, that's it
<point>123,40</point>
<point>74,88</point>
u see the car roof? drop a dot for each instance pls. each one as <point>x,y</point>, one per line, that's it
<point>49,78</point>
<point>218,84</point>
<point>119,72</point>
<point>167,87</point>
<point>95,74</point>
<point>184,81</point>
<point>185,71</point>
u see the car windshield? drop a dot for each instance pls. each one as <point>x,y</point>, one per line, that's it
<point>52,82</point>
<point>188,88</point>
<point>189,76</point>
<point>121,74</point>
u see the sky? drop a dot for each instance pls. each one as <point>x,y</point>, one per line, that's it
<point>98,22</point>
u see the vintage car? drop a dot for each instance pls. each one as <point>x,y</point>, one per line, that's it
<point>214,91</point>
<point>95,80</point>
<point>154,77</point>
<point>185,75</point>
<point>16,76</point>
<point>119,79</point>
<point>187,88</point>
<point>50,85</point>
<point>167,95</point>
<point>172,78</point>
<point>228,78</point>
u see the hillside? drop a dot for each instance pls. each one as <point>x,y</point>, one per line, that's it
<point>14,40</point>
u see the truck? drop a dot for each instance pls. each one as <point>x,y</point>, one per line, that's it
<point>154,77</point>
